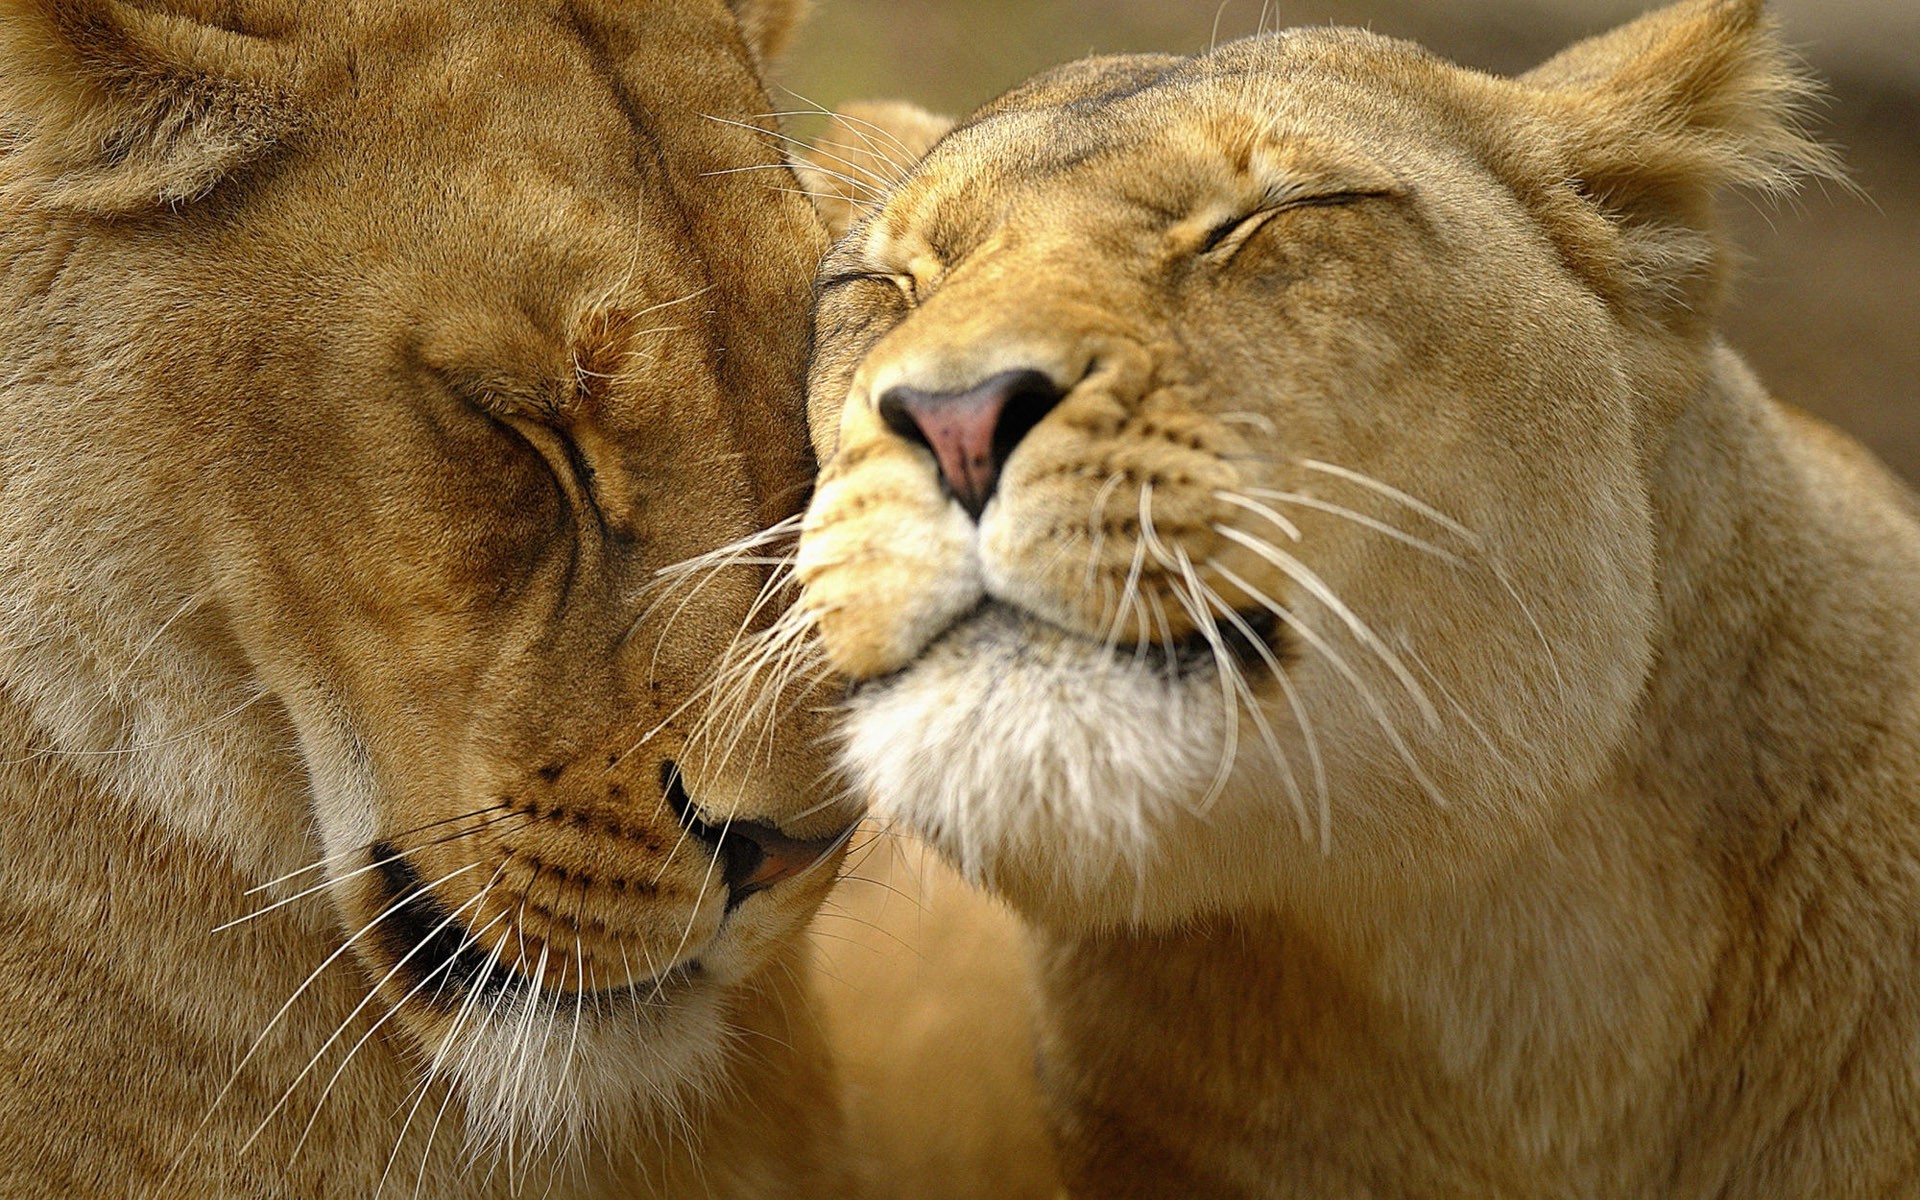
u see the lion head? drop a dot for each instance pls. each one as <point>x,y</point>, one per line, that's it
<point>369,369</point>
<point>1236,486</point>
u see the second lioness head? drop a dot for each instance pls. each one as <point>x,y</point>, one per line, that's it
<point>1234,466</point>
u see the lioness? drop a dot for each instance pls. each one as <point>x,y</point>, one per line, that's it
<point>365,364</point>
<point>1298,539</point>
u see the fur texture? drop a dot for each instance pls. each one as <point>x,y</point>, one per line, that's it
<point>1451,732</point>
<point>367,367</point>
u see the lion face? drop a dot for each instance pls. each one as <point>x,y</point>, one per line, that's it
<point>456,332</point>
<point>1236,489</point>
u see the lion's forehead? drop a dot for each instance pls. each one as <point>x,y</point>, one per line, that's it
<point>653,98</point>
<point>1159,145</point>
<point>561,208</point>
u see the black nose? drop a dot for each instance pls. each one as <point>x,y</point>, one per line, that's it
<point>752,856</point>
<point>973,433</point>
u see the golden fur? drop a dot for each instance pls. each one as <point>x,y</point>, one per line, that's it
<point>927,1003</point>
<point>1450,732</point>
<point>366,365</point>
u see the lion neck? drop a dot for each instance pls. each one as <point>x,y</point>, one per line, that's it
<point>1554,1022</point>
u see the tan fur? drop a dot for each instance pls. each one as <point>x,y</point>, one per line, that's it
<point>1555,833</point>
<point>364,366</point>
<point>769,26</point>
<point>867,150</point>
<point>929,1008</point>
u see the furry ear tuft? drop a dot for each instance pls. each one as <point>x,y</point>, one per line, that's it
<point>106,107</point>
<point>1686,100</point>
<point>1648,123</point>
<point>866,151</point>
<point>769,25</point>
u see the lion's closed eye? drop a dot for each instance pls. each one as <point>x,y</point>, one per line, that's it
<point>1226,238</point>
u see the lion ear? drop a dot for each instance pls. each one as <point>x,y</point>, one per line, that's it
<point>769,25</point>
<point>107,107</point>
<point>1683,101</point>
<point>866,151</point>
<point>1651,121</point>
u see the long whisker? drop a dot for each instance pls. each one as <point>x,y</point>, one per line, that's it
<point>1239,501</point>
<point>1395,494</point>
<point>523,1052</point>
<point>1294,702</point>
<point>1228,675</point>
<point>1362,519</point>
<point>822,111</point>
<point>1372,701</point>
<point>704,569</point>
<point>818,149</point>
<point>866,189</point>
<point>1129,596</point>
<point>802,146</point>
<point>1461,531</point>
<point>375,865</point>
<point>865,206</point>
<point>468,1003</point>
<point>426,978</point>
<point>1214,601</point>
<point>823,148</point>
<point>1317,587</point>
<point>493,1012</point>
<point>259,1040</point>
<point>1223,662</point>
<point>304,1071</point>
<point>356,850</point>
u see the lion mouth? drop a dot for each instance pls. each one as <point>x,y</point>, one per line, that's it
<point>1250,643</point>
<point>1247,640</point>
<point>449,962</point>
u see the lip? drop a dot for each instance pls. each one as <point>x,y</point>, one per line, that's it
<point>431,941</point>
<point>1180,660</point>
<point>753,856</point>
<point>1247,638</point>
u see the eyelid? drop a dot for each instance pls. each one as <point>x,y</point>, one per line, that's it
<point>908,286</point>
<point>843,278</point>
<point>499,395</point>
<point>1238,228</point>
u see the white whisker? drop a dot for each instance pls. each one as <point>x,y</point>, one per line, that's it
<point>1287,527</point>
<point>1395,494</point>
<point>1372,701</point>
<point>1301,574</point>
<point>358,1008</point>
<point>1362,519</point>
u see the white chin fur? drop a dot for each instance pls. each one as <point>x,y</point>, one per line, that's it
<point>545,1076</point>
<point>1010,743</point>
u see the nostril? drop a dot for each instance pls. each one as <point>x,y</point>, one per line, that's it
<point>973,433</point>
<point>673,789</point>
<point>1030,396</point>
<point>752,856</point>
<point>897,414</point>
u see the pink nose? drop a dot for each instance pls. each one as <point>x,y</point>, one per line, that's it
<point>972,433</point>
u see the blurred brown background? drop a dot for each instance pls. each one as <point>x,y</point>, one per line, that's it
<point>1828,307</point>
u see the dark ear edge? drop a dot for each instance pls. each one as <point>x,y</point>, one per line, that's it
<point>866,151</point>
<point>769,25</point>
<point>111,108</point>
